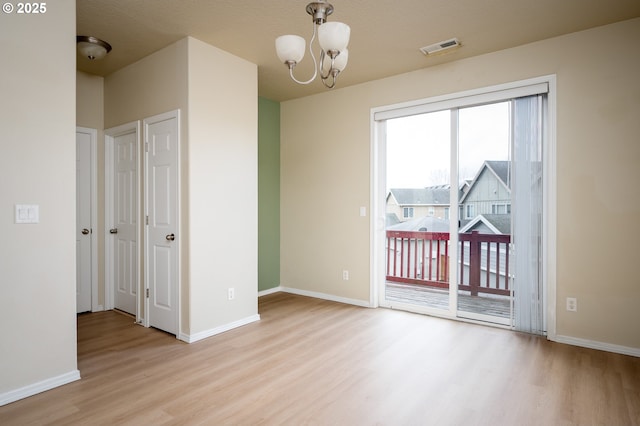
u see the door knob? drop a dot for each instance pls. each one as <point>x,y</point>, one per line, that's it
<point>170,237</point>
<point>113,231</point>
<point>85,231</point>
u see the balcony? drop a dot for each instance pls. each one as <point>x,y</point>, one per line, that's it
<point>417,270</point>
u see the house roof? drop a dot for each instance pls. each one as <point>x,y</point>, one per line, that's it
<point>498,223</point>
<point>429,196</point>
<point>501,170</point>
<point>427,223</point>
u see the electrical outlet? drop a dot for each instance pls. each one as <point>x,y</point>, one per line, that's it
<point>572,304</point>
<point>231,293</point>
<point>345,275</point>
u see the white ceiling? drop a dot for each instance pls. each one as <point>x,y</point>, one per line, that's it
<point>385,34</point>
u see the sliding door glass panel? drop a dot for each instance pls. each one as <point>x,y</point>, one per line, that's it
<point>417,210</point>
<point>484,228</point>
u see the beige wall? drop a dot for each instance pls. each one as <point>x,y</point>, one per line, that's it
<point>223,187</point>
<point>90,113</point>
<point>326,171</point>
<point>153,85</point>
<point>37,166</point>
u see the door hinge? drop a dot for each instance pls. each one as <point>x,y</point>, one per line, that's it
<point>146,147</point>
<point>147,220</point>
<point>147,293</point>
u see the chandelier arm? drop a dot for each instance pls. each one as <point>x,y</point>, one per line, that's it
<point>315,62</point>
<point>333,82</point>
<point>330,71</point>
<point>333,72</point>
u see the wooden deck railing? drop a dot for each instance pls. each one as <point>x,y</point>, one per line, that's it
<point>422,258</point>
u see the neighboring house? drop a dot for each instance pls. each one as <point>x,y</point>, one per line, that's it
<point>409,203</point>
<point>391,219</point>
<point>490,191</point>
<point>423,224</point>
<point>489,224</point>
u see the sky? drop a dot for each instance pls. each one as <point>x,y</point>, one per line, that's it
<point>418,147</point>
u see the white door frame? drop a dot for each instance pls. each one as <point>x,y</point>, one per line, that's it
<point>109,218</point>
<point>379,115</point>
<point>93,135</point>
<point>145,123</point>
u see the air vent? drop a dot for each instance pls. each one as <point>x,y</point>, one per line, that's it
<point>440,47</point>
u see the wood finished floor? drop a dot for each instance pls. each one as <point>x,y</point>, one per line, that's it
<point>314,362</point>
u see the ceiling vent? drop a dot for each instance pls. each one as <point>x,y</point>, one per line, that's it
<point>440,47</point>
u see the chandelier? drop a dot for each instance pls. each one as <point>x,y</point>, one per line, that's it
<point>333,38</point>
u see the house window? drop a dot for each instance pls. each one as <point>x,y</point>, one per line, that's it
<point>407,212</point>
<point>470,211</point>
<point>446,213</point>
<point>504,208</point>
<point>432,211</point>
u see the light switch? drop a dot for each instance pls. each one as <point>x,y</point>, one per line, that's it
<point>27,213</point>
<point>363,211</point>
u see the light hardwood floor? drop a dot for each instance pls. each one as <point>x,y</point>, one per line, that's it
<point>310,361</point>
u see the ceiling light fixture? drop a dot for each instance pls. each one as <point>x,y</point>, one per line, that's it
<point>92,48</point>
<point>333,38</point>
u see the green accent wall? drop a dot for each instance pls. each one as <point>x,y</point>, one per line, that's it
<point>268,194</point>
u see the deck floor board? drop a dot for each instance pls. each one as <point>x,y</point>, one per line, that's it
<point>438,298</point>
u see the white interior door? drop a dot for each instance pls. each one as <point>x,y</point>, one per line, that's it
<point>123,230</point>
<point>162,230</point>
<point>84,234</point>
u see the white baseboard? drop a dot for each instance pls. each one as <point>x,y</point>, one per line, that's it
<point>99,308</point>
<point>363,303</point>
<point>269,291</point>
<point>36,388</point>
<point>191,338</point>
<point>591,344</point>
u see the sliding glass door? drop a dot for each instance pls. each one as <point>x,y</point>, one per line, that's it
<point>463,188</point>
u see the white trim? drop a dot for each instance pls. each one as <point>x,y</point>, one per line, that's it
<point>109,219</point>
<point>444,313</point>
<point>93,135</point>
<point>269,291</point>
<point>454,201</point>
<point>549,213</point>
<point>191,338</point>
<point>592,344</point>
<point>480,96</point>
<point>38,387</point>
<point>377,222</point>
<point>325,296</point>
